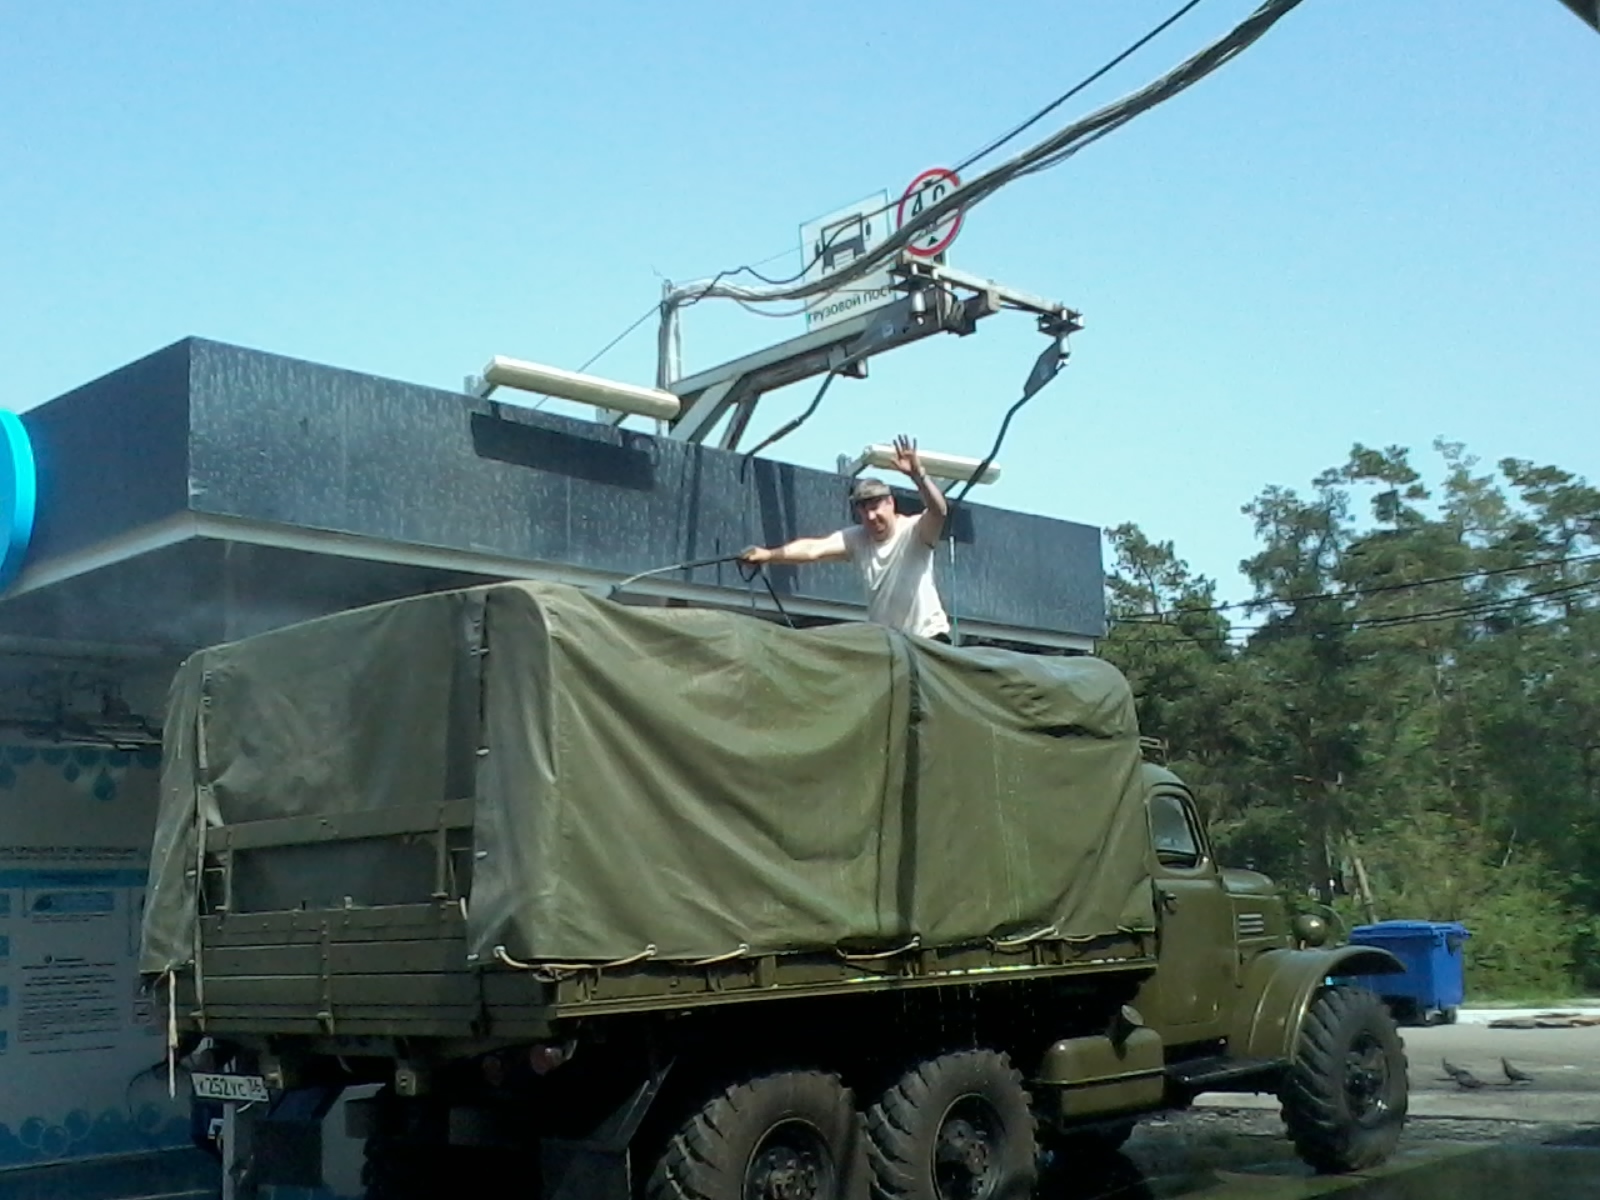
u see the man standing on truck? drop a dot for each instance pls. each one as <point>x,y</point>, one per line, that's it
<point>893,552</point>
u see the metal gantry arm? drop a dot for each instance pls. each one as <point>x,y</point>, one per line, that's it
<point>937,299</point>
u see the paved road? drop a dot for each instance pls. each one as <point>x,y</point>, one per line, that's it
<point>1564,1063</point>
<point>1560,1060</point>
<point>1243,1155</point>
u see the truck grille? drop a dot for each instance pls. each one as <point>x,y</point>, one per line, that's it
<point>1252,924</point>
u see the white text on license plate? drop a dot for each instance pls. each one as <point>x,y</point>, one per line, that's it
<point>230,1087</point>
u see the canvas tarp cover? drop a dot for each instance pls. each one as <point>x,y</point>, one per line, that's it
<point>680,781</point>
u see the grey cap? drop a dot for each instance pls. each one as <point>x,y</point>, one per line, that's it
<point>868,489</point>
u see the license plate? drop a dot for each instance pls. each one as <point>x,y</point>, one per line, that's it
<point>230,1087</point>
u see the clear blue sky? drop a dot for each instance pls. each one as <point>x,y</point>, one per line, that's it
<point>1378,224</point>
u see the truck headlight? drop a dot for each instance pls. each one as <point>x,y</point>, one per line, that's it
<point>1310,930</point>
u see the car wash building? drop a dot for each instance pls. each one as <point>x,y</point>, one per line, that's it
<point>208,492</point>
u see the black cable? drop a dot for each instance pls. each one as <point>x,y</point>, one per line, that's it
<point>766,578</point>
<point>1077,87</point>
<point>690,565</point>
<point>152,1069</point>
<point>1052,149</point>
<point>994,452</point>
<point>653,310</point>
<point>972,480</point>
<point>785,430</point>
<point>612,344</point>
<point>1484,608</point>
<point>1374,590</point>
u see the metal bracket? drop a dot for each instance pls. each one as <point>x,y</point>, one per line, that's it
<point>938,299</point>
<point>597,1168</point>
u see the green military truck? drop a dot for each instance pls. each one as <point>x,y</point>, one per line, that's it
<point>681,904</point>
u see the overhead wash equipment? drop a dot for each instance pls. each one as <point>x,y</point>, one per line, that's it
<point>1045,368</point>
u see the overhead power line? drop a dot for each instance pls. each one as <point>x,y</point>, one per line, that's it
<point>1092,78</point>
<point>1371,590</point>
<point>1011,135</point>
<point>617,341</point>
<point>1048,153</point>
<point>1323,626</point>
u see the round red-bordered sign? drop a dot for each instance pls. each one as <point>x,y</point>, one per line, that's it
<point>926,190</point>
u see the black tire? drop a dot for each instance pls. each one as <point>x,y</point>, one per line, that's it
<point>1345,1096</point>
<point>791,1135</point>
<point>956,1127</point>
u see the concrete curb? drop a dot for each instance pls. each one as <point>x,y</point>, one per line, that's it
<point>1571,1108</point>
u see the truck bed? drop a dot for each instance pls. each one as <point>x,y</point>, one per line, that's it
<point>403,971</point>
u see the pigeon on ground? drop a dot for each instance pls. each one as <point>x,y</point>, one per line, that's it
<point>1450,1069</point>
<point>1466,1079</point>
<point>1513,1075</point>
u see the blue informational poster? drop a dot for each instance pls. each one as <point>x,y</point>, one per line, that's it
<point>82,1052</point>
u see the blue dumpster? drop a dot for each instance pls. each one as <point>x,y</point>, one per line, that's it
<point>1434,984</point>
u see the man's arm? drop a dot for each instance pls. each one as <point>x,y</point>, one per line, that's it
<point>801,550</point>
<point>934,508</point>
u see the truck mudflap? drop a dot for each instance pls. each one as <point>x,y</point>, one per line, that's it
<point>1278,987</point>
<point>598,1167</point>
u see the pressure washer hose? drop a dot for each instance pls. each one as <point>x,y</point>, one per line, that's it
<point>691,564</point>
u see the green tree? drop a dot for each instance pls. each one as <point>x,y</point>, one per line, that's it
<point>1409,699</point>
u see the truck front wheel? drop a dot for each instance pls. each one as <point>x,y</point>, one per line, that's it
<point>1344,1100</point>
<point>956,1127</point>
<point>791,1135</point>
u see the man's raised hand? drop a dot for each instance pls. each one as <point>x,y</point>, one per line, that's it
<point>906,459</point>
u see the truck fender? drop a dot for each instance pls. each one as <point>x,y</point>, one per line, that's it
<point>1277,990</point>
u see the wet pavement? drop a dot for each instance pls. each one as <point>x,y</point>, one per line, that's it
<point>1205,1154</point>
<point>1240,1155</point>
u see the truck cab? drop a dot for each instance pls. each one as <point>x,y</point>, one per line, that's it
<point>1212,920</point>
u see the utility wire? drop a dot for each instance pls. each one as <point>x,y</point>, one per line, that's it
<point>1076,88</point>
<point>616,341</point>
<point>1051,150</point>
<point>1283,630</point>
<point>1372,590</point>
<point>994,145</point>
<point>1485,607</point>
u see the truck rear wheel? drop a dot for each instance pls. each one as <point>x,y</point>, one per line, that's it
<point>1344,1101</point>
<point>791,1135</point>
<point>956,1127</point>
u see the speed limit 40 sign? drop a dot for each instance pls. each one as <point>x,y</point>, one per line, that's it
<point>925,191</point>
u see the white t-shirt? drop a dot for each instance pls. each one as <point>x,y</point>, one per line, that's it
<point>898,572</point>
